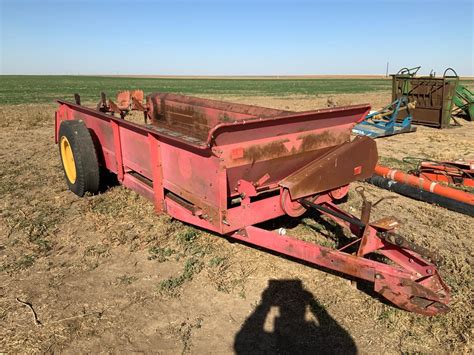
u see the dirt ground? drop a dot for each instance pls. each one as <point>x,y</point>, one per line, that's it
<point>106,274</point>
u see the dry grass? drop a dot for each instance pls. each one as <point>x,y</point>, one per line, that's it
<point>105,273</point>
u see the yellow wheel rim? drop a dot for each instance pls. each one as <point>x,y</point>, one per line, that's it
<point>68,160</point>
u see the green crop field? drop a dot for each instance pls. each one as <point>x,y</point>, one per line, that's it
<point>16,89</point>
<point>41,89</point>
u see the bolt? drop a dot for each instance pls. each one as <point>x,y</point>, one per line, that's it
<point>282,231</point>
<point>378,276</point>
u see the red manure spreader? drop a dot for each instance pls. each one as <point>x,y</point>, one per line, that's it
<point>227,167</point>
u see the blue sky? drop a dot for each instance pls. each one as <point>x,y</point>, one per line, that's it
<point>234,37</point>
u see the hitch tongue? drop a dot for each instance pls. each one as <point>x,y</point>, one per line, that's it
<point>408,280</point>
<point>400,241</point>
<point>428,297</point>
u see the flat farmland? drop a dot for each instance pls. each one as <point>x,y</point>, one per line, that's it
<point>43,89</point>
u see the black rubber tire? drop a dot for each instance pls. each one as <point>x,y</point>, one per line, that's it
<point>85,157</point>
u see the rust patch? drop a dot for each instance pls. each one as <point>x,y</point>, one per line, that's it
<point>324,253</point>
<point>289,249</point>
<point>333,170</point>
<point>277,149</point>
<point>242,233</point>
<point>229,107</point>
<point>267,151</point>
<point>188,120</point>
<point>327,138</point>
<point>195,117</point>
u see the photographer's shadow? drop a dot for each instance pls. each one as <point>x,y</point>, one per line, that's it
<point>288,320</point>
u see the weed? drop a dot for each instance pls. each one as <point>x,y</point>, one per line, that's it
<point>171,285</point>
<point>184,332</point>
<point>192,267</point>
<point>189,240</point>
<point>160,254</point>
<point>217,261</point>
<point>386,315</point>
<point>44,245</point>
<point>187,236</point>
<point>25,261</point>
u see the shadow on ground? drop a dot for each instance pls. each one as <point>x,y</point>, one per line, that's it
<point>289,320</point>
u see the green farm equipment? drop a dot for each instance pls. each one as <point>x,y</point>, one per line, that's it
<point>464,101</point>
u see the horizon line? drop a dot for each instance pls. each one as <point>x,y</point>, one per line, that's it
<point>273,76</point>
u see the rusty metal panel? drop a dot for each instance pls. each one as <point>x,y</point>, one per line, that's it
<point>278,147</point>
<point>219,122</point>
<point>331,120</point>
<point>195,116</point>
<point>341,165</point>
<point>433,96</point>
<point>280,156</point>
